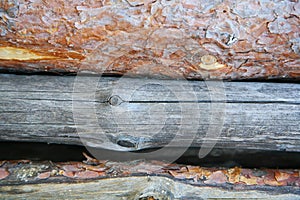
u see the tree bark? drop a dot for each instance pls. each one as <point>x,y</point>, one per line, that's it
<point>139,180</point>
<point>245,39</point>
<point>129,114</point>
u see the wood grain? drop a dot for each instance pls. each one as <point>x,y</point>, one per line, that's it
<point>149,113</point>
<point>136,188</point>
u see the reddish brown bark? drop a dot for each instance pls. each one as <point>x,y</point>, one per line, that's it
<point>250,39</point>
<point>23,171</point>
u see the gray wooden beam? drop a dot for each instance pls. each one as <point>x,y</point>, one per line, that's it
<point>131,114</point>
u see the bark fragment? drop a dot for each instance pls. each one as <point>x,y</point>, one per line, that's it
<point>35,172</point>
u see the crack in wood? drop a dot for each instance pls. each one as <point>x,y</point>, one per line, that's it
<point>258,115</point>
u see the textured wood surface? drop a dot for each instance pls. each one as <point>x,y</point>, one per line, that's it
<point>140,179</point>
<point>145,113</point>
<point>247,39</point>
<point>136,188</point>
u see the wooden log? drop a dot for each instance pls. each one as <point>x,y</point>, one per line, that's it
<point>142,180</point>
<point>129,114</point>
<point>179,39</point>
<point>136,188</point>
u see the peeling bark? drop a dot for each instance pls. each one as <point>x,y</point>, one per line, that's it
<point>143,180</point>
<point>252,39</point>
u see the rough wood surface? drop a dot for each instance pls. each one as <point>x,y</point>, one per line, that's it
<point>247,39</point>
<point>139,179</point>
<point>133,188</point>
<point>146,113</point>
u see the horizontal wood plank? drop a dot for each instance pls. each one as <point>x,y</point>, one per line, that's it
<point>134,188</point>
<point>132,114</point>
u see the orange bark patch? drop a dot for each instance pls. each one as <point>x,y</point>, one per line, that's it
<point>44,175</point>
<point>3,173</point>
<point>217,177</point>
<point>86,174</point>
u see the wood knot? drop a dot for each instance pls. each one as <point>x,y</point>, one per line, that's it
<point>155,192</point>
<point>208,59</point>
<point>128,141</point>
<point>115,100</point>
<point>209,62</point>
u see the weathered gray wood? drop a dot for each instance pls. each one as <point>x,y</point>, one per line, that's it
<point>137,188</point>
<point>146,113</point>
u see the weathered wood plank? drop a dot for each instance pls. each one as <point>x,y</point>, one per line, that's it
<point>136,188</point>
<point>248,39</point>
<point>148,113</point>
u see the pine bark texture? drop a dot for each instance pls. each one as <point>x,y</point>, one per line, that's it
<point>247,39</point>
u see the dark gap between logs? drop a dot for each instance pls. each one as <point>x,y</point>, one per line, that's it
<point>216,158</point>
<point>64,73</point>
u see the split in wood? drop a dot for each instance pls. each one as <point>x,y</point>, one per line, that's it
<point>135,114</point>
